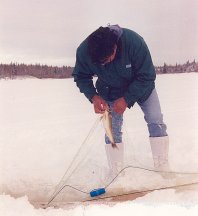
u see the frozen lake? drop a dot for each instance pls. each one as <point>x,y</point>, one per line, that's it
<point>44,122</point>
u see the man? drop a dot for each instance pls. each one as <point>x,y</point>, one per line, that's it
<point>122,62</point>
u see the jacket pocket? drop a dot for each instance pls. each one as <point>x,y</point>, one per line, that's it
<point>128,73</point>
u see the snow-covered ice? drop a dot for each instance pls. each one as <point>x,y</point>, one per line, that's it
<point>43,123</point>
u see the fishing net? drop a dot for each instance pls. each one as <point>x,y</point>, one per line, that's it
<point>89,170</point>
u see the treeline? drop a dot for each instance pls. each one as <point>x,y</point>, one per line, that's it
<point>178,68</point>
<point>14,70</point>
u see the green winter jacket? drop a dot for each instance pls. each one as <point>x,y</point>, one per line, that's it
<point>130,75</point>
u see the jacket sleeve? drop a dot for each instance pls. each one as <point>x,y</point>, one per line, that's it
<point>83,76</point>
<point>144,71</point>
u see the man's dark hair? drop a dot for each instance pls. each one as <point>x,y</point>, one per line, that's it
<point>101,44</point>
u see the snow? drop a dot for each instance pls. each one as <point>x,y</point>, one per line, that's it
<point>43,123</point>
<point>20,206</point>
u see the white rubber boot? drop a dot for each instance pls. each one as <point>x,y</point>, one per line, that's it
<point>115,157</point>
<point>160,149</point>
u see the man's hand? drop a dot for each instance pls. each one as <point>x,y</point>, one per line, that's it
<point>99,104</point>
<point>120,105</point>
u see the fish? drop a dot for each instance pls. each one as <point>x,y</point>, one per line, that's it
<point>107,123</point>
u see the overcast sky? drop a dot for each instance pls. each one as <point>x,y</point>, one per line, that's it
<point>49,31</point>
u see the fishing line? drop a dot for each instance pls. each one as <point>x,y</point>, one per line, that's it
<point>149,170</point>
<point>143,191</point>
<point>131,193</point>
<point>59,188</point>
<point>134,167</point>
<point>56,192</point>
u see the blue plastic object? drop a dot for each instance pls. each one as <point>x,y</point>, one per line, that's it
<point>97,192</point>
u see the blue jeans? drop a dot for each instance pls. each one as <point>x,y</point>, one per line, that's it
<point>152,115</point>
